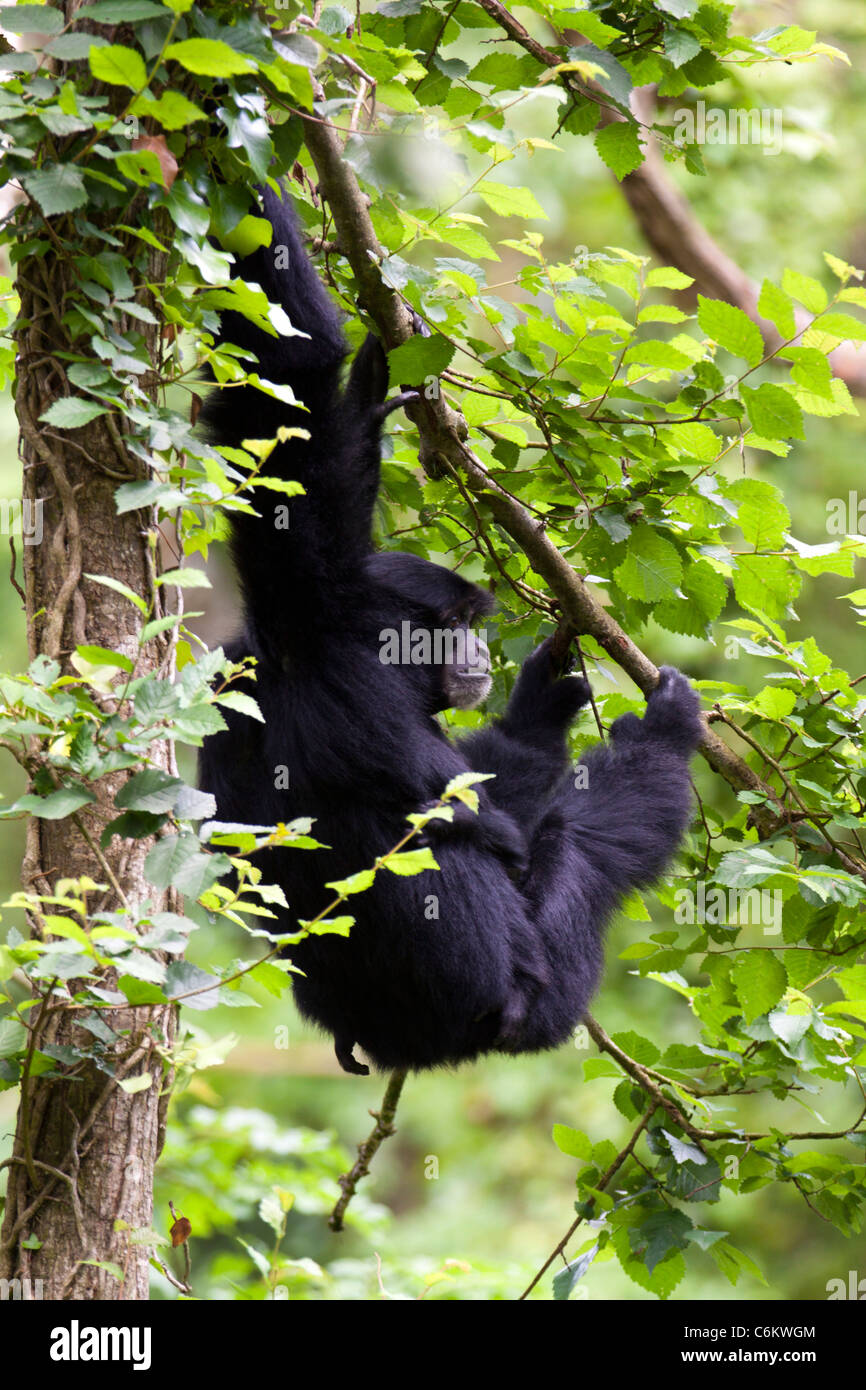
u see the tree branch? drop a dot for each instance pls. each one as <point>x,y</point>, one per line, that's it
<point>382,1129</point>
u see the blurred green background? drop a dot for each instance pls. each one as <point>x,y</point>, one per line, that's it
<point>472,1176</point>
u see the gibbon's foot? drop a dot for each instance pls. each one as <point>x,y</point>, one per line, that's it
<point>673,715</point>
<point>419,326</point>
<point>397,403</point>
<point>343,1048</point>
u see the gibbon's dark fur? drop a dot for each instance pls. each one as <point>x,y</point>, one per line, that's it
<point>501,949</point>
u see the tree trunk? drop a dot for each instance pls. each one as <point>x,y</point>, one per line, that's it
<point>85,1149</point>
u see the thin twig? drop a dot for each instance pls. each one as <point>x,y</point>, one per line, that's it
<point>382,1129</point>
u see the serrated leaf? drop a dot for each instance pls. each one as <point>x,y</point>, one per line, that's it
<point>56,188</point>
<point>119,588</point>
<point>572,1142</point>
<point>765,584</point>
<point>667,277</point>
<point>209,58</point>
<point>152,790</point>
<point>35,19</point>
<point>774,702</point>
<point>121,11</point>
<point>731,329</point>
<point>132,1085</point>
<point>509,201</point>
<point>808,292</point>
<point>118,65</point>
<point>56,805</point>
<point>774,304</point>
<point>652,569</point>
<point>185,579</point>
<point>71,412</point>
<point>413,361</point>
<point>618,145</point>
<point>244,704</point>
<point>172,110</point>
<point>411,861</point>
<point>760,980</point>
<point>773,412</point>
<point>762,516</point>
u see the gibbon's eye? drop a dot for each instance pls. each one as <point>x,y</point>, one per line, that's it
<point>453,620</point>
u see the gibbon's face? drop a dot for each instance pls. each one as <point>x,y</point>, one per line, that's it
<point>434,611</point>
<point>465,668</point>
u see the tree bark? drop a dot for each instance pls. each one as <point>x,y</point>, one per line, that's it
<point>84,1149</point>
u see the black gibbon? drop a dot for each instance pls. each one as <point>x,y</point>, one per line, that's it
<point>501,949</point>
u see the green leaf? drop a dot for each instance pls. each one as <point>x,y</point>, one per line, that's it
<point>132,1085</point>
<point>572,1142</point>
<point>810,293</point>
<point>411,861</point>
<point>638,1047</point>
<point>773,412</point>
<point>842,326</point>
<point>731,329</point>
<point>152,790</point>
<point>101,656</point>
<point>508,201</point>
<point>666,277</point>
<point>775,305</point>
<point>652,569</point>
<point>56,188</point>
<point>765,584</point>
<point>244,704</point>
<point>185,579</point>
<point>188,209</point>
<point>696,440</point>
<point>567,1278</point>
<point>179,860</point>
<point>683,1152</point>
<point>74,46</point>
<point>57,805</point>
<point>13,1037</point>
<point>71,412</point>
<point>811,370</point>
<point>181,977</point>
<point>209,58</point>
<point>762,516</point>
<point>618,145</point>
<point>733,1262</point>
<point>121,66</point>
<point>119,588</point>
<point>121,11</point>
<point>131,825</point>
<point>774,702</point>
<point>355,883</point>
<point>35,19</point>
<point>419,358</point>
<point>173,110</point>
<point>680,9</point>
<point>760,980</point>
